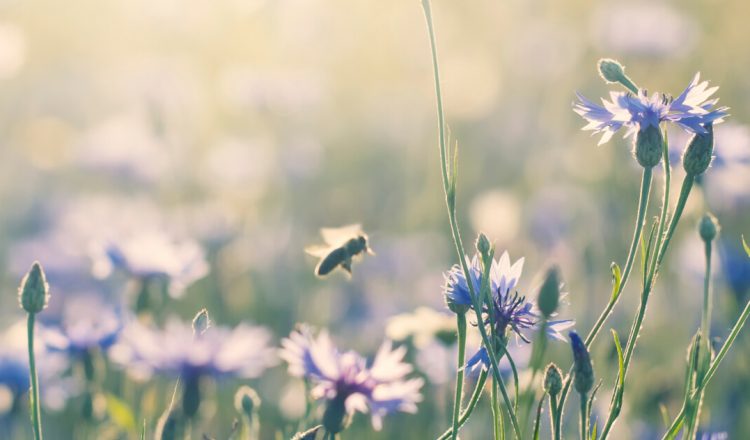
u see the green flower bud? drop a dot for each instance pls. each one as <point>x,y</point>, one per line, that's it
<point>246,401</point>
<point>483,245</point>
<point>708,227</point>
<point>611,70</point>
<point>456,308</point>
<point>699,152</point>
<point>553,381</point>
<point>201,322</point>
<point>549,294</point>
<point>33,294</point>
<point>583,370</point>
<point>649,146</point>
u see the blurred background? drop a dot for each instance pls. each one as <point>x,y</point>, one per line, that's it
<point>243,126</point>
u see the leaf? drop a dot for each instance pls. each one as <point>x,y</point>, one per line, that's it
<point>620,361</point>
<point>664,414</point>
<point>616,281</point>
<point>538,416</point>
<point>120,413</point>
<point>143,430</point>
<point>745,245</point>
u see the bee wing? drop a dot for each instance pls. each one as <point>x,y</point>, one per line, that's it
<point>338,236</point>
<point>318,250</point>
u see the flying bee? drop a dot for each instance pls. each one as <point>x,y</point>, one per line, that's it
<point>342,245</point>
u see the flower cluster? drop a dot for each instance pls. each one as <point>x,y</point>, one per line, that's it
<point>345,377</point>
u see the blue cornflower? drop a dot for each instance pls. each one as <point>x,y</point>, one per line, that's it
<point>691,110</point>
<point>87,322</point>
<point>736,269</point>
<point>154,255</point>
<point>345,377</point>
<point>512,312</point>
<point>243,351</point>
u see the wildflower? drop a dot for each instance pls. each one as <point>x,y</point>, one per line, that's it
<point>691,110</point>
<point>512,312</point>
<point>347,383</point>
<point>242,352</point>
<point>154,256</point>
<point>87,322</point>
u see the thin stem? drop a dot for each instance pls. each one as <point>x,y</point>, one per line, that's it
<point>584,412</point>
<point>449,188</point>
<point>496,414</point>
<point>554,419</point>
<point>461,325</point>
<point>470,407</point>
<point>646,180</point>
<point>706,316</point>
<point>36,418</point>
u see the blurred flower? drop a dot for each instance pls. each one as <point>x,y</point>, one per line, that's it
<point>242,352</point>
<point>496,213</point>
<point>735,267</point>
<point>423,325</point>
<point>511,311</point>
<point>14,370</point>
<point>644,28</point>
<point>12,50</point>
<point>691,110</point>
<point>382,387</point>
<point>153,255</point>
<point>87,322</point>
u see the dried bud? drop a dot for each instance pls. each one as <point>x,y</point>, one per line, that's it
<point>649,146</point>
<point>708,227</point>
<point>246,401</point>
<point>549,294</point>
<point>483,245</point>
<point>33,294</point>
<point>699,152</point>
<point>583,370</point>
<point>201,322</point>
<point>553,381</point>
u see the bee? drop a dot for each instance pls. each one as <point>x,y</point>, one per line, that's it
<point>342,245</point>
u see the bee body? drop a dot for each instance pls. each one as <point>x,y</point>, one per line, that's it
<point>344,244</point>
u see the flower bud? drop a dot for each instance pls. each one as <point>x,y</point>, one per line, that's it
<point>457,308</point>
<point>201,322</point>
<point>649,146</point>
<point>583,379</point>
<point>708,227</point>
<point>553,381</point>
<point>246,401</point>
<point>483,245</point>
<point>611,70</point>
<point>699,152</point>
<point>335,417</point>
<point>549,294</point>
<point>33,294</point>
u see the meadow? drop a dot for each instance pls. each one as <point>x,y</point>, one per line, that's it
<point>317,219</point>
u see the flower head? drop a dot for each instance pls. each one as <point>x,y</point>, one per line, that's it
<point>154,255</point>
<point>691,110</point>
<point>380,387</point>
<point>86,322</point>
<point>509,310</point>
<point>243,351</point>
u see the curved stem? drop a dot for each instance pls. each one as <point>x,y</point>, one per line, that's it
<point>36,418</point>
<point>646,180</point>
<point>470,407</point>
<point>461,325</point>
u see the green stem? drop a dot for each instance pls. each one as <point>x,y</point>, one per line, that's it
<point>646,180</point>
<point>687,185</point>
<point>36,417</point>
<point>461,325</point>
<point>554,419</point>
<point>676,424</point>
<point>706,316</point>
<point>449,189</point>
<point>470,407</point>
<point>496,415</point>
<point>584,412</point>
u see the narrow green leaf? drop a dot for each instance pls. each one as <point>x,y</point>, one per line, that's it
<point>664,414</point>
<point>745,245</point>
<point>143,430</point>
<point>616,280</point>
<point>620,361</point>
<point>538,416</point>
<point>515,374</point>
<point>593,431</point>
<point>120,413</point>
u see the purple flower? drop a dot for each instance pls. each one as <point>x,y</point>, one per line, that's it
<point>243,351</point>
<point>511,311</point>
<point>691,110</point>
<point>87,322</point>
<point>381,387</point>
<point>154,255</point>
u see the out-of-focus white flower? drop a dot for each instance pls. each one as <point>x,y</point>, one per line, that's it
<point>153,255</point>
<point>424,325</point>
<point>497,214</point>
